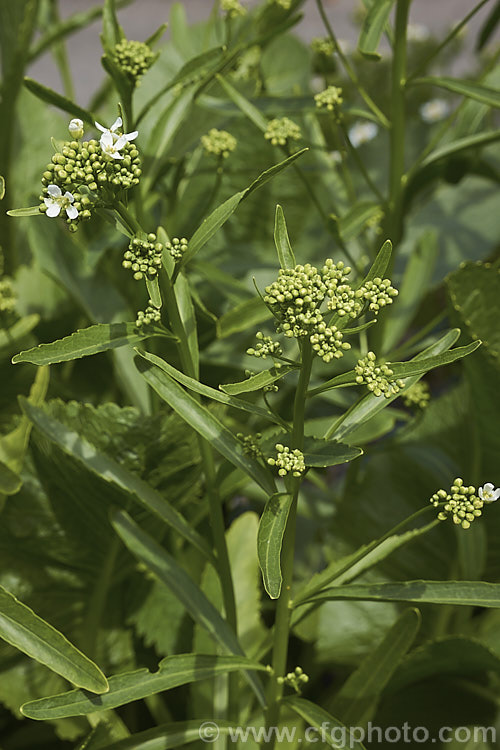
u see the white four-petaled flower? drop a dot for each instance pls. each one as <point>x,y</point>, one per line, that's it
<point>111,131</point>
<point>111,142</point>
<point>488,493</point>
<point>56,202</point>
<point>362,132</point>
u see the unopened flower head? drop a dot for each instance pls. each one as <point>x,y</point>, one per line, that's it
<point>134,59</point>
<point>288,461</point>
<point>417,395</point>
<point>150,315</point>
<point>265,347</point>
<point>250,444</point>
<point>434,110</point>
<point>75,128</point>
<point>362,132</point>
<point>296,679</point>
<point>57,202</point>
<point>8,297</point>
<point>461,503</point>
<point>218,142</point>
<point>177,248</point>
<point>281,130</point>
<point>331,99</point>
<point>232,8</point>
<point>488,493</point>
<point>143,257</point>
<point>378,378</point>
<point>323,46</point>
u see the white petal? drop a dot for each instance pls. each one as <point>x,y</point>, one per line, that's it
<point>116,155</point>
<point>53,210</point>
<point>131,136</point>
<point>120,143</point>
<point>488,486</point>
<point>69,196</point>
<point>54,191</point>
<point>106,140</point>
<point>48,201</point>
<point>72,212</point>
<point>100,127</point>
<point>117,124</point>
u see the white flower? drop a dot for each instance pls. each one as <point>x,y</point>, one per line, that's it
<point>111,147</point>
<point>57,202</point>
<point>434,110</point>
<point>336,157</point>
<point>417,32</point>
<point>76,128</point>
<point>362,132</point>
<point>111,131</point>
<point>488,493</point>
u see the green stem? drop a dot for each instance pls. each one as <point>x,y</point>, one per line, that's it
<point>359,161</point>
<point>283,611</point>
<point>350,70</point>
<point>97,603</point>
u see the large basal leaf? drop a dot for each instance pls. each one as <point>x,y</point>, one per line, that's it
<point>205,423</point>
<point>270,539</point>
<point>24,630</point>
<point>356,701</point>
<point>111,471</point>
<point>321,719</point>
<point>282,241</point>
<point>475,91</point>
<point>132,686</point>
<point>167,570</point>
<point>373,27</point>
<point>84,343</point>
<point>465,593</point>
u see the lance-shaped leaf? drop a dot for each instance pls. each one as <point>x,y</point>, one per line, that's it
<point>476,91</point>
<point>381,263</point>
<point>26,631</point>
<point>22,327</point>
<point>84,343</point>
<point>174,734</point>
<point>319,718</point>
<point>270,539</point>
<point>247,314</point>
<point>111,471</point>
<point>356,701</point>
<point>465,593</point>
<point>355,220</point>
<point>282,241</point>
<point>373,27</point>
<point>168,570</point>
<point>29,211</point>
<point>258,381</point>
<point>321,453</point>
<point>459,145</point>
<point>204,422</point>
<point>253,114</point>
<point>173,671</point>
<point>420,367</point>
<point>57,100</point>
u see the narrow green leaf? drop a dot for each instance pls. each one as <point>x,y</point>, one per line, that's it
<point>26,631</point>
<point>269,540</point>
<point>420,367</point>
<point>321,453</point>
<point>10,482</point>
<point>156,35</point>
<point>188,317</point>
<point>2,187</point>
<point>124,688</point>
<point>357,699</point>
<point>206,390</point>
<point>83,343</point>
<point>205,423</point>
<point>465,593</point>
<point>281,240</point>
<point>476,91</point>
<point>319,718</point>
<point>381,262</point>
<point>111,32</point>
<point>154,292</point>
<point>461,144</point>
<point>170,735</point>
<point>111,471</point>
<point>8,336</point>
<point>373,27</point>
<point>488,28</point>
<point>57,100</point>
<point>167,569</point>
<point>30,211</point>
<point>242,102</point>
<point>273,171</point>
<point>248,314</point>
<point>256,382</point>
<point>355,220</point>
<point>164,131</point>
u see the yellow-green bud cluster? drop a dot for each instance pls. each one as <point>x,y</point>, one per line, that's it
<point>134,59</point>
<point>327,342</point>
<point>8,297</point>
<point>281,130</point>
<point>378,293</point>
<point>288,461</point>
<point>461,503</point>
<point>218,142</point>
<point>250,445</point>
<point>143,257</point>
<point>323,46</point>
<point>417,395</point>
<point>150,315</point>
<point>377,378</point>
<point>331,98</point>
<point>177,247</point>
<point>232,8</point>
<point>295,679</point>
<point>265,347</point>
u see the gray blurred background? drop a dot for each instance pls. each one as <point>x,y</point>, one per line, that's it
<point>140,19</point>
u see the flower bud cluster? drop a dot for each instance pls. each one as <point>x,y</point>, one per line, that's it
<point>143,257</point>
<point>295,679</point>
<point>8,297</point>
<point>250,444</point>
<point>134,59</point>
<point>265,347</point>
<point>331,98</point>
<point>460,502</point>
<point>378,293</point>
<point>281,130</point>
<point>177,247</point>
<point>323,46</point>
<point>218,142</point>
<point>150,315</point>
<point>378,378</point>
<point>417,395</point>
<point>287,461</point>
<point>232,8</point>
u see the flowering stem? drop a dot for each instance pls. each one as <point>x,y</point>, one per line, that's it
<point>283,611</point>
<point>350,70</point>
